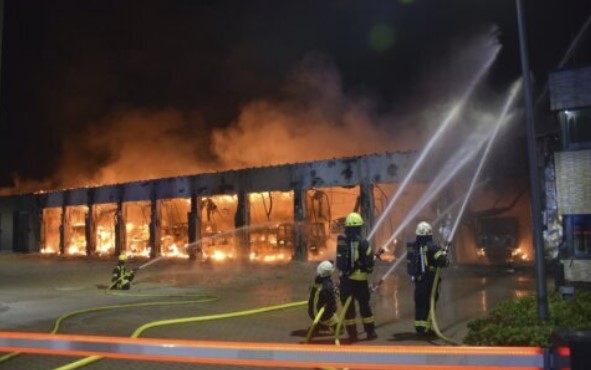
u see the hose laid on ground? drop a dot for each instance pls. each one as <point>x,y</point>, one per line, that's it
<point>337,329</point>
<point>141,329</point>
<point>58,322</point>
<point>432,315</point>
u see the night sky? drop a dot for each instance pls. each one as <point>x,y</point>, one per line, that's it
<point>73,70</point>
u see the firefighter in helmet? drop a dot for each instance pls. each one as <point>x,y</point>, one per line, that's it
<point>355,261</point>
<point>322,294</point>
<point>424,256</point>
<point>122,275</point>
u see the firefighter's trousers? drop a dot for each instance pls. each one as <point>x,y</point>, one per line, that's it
<point>359,290</point>
<point>423,287</point>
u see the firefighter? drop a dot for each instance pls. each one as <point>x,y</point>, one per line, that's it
<point>322,294</point>
<point>355,261</point>
<point>424,256</point>
<point>122,276</point>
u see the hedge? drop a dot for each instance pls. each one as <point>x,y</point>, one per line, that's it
<point>515,322</point>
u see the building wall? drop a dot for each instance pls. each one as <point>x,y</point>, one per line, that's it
<point>570,98</point>
<point>570,89</point>
<point>344,172</point>
<point>573,181</point>
<point>23,208</point>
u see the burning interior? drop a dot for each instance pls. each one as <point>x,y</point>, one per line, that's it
<point>174,233</point>
<point>136,218</point>
<point>104,238</point>
<point>217,227</point>
<point>274,226</point>
<point>75,231</point>
<point>50,226</point>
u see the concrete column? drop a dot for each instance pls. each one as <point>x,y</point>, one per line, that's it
<point>194,217</point>
<point>366,200</point>
<point>155,242</point>
<point>89,225</point>
<point>63,231</point>
<point>40,230</point>
<point>40,225</point>
<point>241,221</point>
<point>300,245</point>
<point>120,230</point>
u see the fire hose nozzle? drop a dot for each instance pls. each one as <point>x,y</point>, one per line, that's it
<point>447,246</point>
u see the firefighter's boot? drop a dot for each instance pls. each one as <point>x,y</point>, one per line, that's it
<point>352,332</point>
<point>370,329</point>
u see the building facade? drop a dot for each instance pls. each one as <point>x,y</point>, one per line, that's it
<point>278,212</point>
<point>570,99</point>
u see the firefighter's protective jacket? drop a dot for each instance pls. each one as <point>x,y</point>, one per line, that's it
<point>122,277</point>
<point>424,258</point>
<point>322,294</point>
<point>355,258</point>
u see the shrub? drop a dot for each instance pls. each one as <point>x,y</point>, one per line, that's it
<point>515,322</point>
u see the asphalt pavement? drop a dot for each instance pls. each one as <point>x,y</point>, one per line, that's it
<point>36,290</point>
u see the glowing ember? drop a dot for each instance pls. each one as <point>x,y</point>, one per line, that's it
<point>219,256</point>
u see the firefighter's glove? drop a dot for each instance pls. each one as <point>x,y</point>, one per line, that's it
<point>380,252</point>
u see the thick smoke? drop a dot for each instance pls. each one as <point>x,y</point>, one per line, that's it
<point>316,120</point>
<point>312,117</point>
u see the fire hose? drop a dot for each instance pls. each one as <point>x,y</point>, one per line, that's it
<point>91,359</point>
<point>141,329</point>
<point>109,290</point>
<point>432,316</point>
<point>432,304</point>
<point>61,319</point>
<point>337,333</point>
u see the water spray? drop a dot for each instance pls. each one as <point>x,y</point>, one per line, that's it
<point>150,262</point>
<point>502,118</point>
<point>436,280</point>
<point>444,125</point>
<point>231,232</point>
<point>434,189</point>
<point>198,242</point>
<point>460,158</point>
<point>454,204</point>
<point>449,171</point>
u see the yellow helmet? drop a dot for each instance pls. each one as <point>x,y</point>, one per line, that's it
<point>122,258</point>
<point>354,219</point>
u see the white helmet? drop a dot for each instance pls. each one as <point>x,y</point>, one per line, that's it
<point>424,229</point>
<point>325,268</point>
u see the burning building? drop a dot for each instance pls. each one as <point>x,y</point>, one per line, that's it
<point>263,214</point>
<point>267,214</point>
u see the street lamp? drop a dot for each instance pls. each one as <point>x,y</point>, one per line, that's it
<point>542,296</point>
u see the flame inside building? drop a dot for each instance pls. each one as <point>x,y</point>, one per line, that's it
<point>183,217</point>
<point>270,231</point>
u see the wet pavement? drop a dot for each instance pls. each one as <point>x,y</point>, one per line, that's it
<point>36,290</point>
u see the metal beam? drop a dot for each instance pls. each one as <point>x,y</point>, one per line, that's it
<point>373,169</point>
